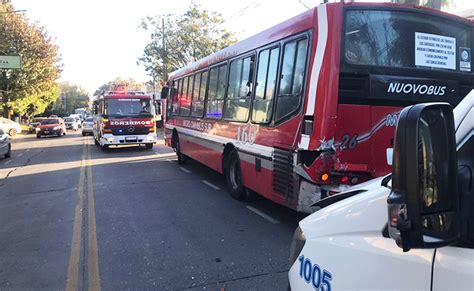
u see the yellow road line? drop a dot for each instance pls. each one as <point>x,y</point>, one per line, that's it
<point>75,256</point>
<point>92,250</point>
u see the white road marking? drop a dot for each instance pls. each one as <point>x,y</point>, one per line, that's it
<point>27,150</point>
<point>7,162</point>
<point>185,170</point>
<point>170,161</point>
<point>263,215</point>
<point>210,185</point>
<point>19,155</point>
<point>168,155</point>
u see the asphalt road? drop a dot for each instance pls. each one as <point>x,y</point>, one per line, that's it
<point>73,217</point>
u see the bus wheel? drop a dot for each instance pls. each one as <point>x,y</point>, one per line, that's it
<point>149,146</point>
<point>233,176</point>
<point>105,148</point>
<point>179,155</point>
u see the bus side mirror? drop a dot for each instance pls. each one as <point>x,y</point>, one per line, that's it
<point>164,92</point>
<point>423,206</point>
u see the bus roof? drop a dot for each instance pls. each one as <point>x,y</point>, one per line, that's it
<point>299,23</point>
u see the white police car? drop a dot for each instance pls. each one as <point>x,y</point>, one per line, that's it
<point>427,240</point>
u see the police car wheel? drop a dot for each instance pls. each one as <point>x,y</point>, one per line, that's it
<point>233,175</point>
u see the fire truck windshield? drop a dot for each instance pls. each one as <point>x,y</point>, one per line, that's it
<point>129,107</point>
<point>406,39</point>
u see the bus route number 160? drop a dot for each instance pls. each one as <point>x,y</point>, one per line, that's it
<point>246,134</point>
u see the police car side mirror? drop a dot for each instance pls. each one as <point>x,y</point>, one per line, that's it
<point>423,206</point>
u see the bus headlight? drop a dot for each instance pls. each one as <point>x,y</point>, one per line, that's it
<point>299,239</point>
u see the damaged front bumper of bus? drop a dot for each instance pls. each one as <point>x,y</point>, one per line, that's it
<point>110,139</point>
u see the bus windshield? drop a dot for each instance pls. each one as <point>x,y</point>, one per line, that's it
<point>129,107</point>
<point>406,39</point>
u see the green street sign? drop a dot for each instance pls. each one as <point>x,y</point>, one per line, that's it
<point>10,62</point>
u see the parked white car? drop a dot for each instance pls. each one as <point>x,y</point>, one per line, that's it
<point>71,123</point>
<point>5,145</point>
<point>426,242</point>
<point>9,126</point>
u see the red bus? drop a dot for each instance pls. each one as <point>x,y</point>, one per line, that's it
<point>124,118</point>
<point>309,107</point>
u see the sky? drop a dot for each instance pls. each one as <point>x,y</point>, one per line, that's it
<point>100,40</point>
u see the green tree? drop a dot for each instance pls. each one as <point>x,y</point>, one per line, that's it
<point>187,38</point>
<point>33,87</point>
<point>129,84</point>
<point>72,96</point>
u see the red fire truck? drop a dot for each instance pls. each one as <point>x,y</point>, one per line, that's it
<point>124,118</point>
<point>309,107</point>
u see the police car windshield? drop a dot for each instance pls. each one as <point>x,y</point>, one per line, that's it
<point>128,107</point>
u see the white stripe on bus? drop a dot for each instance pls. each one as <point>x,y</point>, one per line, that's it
<point>304,143</point>
<point>254,148</point>
<point>316,68</point>
<point>318,58</point>
<point>246,157</point>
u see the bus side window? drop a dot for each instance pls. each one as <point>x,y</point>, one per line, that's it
<point>175,100</point>
<point>265,85</point>
<point>215,100</point>
<point>240,89</point>
<point>292,76</point>
<point>199,92</point>
<point>185,98</point>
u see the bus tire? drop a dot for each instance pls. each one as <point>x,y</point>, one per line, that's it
<point>149,146</point>
<point>233,176</point>
<point>179,155</point>
<point>105,148</point>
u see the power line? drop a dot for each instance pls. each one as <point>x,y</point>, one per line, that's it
<point>244,10</point>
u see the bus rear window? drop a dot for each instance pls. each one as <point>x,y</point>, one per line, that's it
<point>406,39</point>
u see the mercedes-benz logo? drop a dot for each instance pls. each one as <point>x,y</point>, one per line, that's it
<point>131,129</point>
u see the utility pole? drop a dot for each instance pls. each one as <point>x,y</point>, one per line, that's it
<point>165,69</point>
